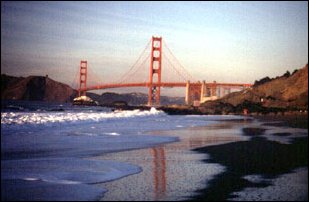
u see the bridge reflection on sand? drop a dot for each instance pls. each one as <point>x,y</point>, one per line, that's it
<point>159,169</point>
<point>171,171</point>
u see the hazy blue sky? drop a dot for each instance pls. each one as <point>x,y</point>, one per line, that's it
<point>222,41</point>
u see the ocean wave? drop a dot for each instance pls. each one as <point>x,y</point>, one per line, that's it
<point>67,170</point>
<point>9,118</point>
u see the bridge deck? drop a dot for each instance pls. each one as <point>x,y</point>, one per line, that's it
<point>162,84</point>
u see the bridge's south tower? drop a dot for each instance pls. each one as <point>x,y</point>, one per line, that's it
<point>155,71</point>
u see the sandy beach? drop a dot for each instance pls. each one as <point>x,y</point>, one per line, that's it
<point>230,160</point>
<point>171,171</point>
<point>272,165</point>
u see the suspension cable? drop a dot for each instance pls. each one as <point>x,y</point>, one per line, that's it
<point>132,67</point>
<point>75,80</point>
<point>174,68</point>
<point>188,75</point>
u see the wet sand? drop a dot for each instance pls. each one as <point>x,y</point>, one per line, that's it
<point>233,160</point>
<point>289,120</point>
<point>272,161</point>
<point>172,171</point>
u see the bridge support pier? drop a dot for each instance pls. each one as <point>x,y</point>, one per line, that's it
<point>203,90</point>
<point>193,93</point>
<point>214,89</point>
<point>187,99</point>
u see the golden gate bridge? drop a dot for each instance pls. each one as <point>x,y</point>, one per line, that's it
<point>157,69</point>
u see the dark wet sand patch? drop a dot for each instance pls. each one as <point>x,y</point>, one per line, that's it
<point>254,157</point>
<point>293,120</point>
<point>253,131</point>
<point>282,134</point>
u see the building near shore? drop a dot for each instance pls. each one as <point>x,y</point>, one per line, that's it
<point>84,100</point>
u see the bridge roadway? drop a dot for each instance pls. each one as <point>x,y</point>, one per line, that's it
<point>162,84</point>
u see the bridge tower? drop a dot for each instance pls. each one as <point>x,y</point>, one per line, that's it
<point>155,71</point>
<point>82,78</point>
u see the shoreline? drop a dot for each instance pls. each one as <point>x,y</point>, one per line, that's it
<point>258,156</point>
<point>172,171</point>
<point>293,120</point>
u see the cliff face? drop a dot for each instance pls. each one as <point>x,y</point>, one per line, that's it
<point>287,91</point>
<point>35,88</point>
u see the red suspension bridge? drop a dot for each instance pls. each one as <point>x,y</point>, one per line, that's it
<point>157,69</point>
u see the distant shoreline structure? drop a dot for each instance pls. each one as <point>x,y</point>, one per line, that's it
<point>84,100</point>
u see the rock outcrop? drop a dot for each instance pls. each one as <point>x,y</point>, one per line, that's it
<point>37,88</point>
<point>287,92</point>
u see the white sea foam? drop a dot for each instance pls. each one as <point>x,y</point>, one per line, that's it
<point>63,181</point>
<point>113,133</point>
<point>9,118</point>
<point>31,179</point>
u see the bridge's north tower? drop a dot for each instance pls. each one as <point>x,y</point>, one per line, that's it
<point>155,71</point>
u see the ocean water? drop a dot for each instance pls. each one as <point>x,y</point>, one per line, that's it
<point>45,147</point>
<point>55,151</point>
